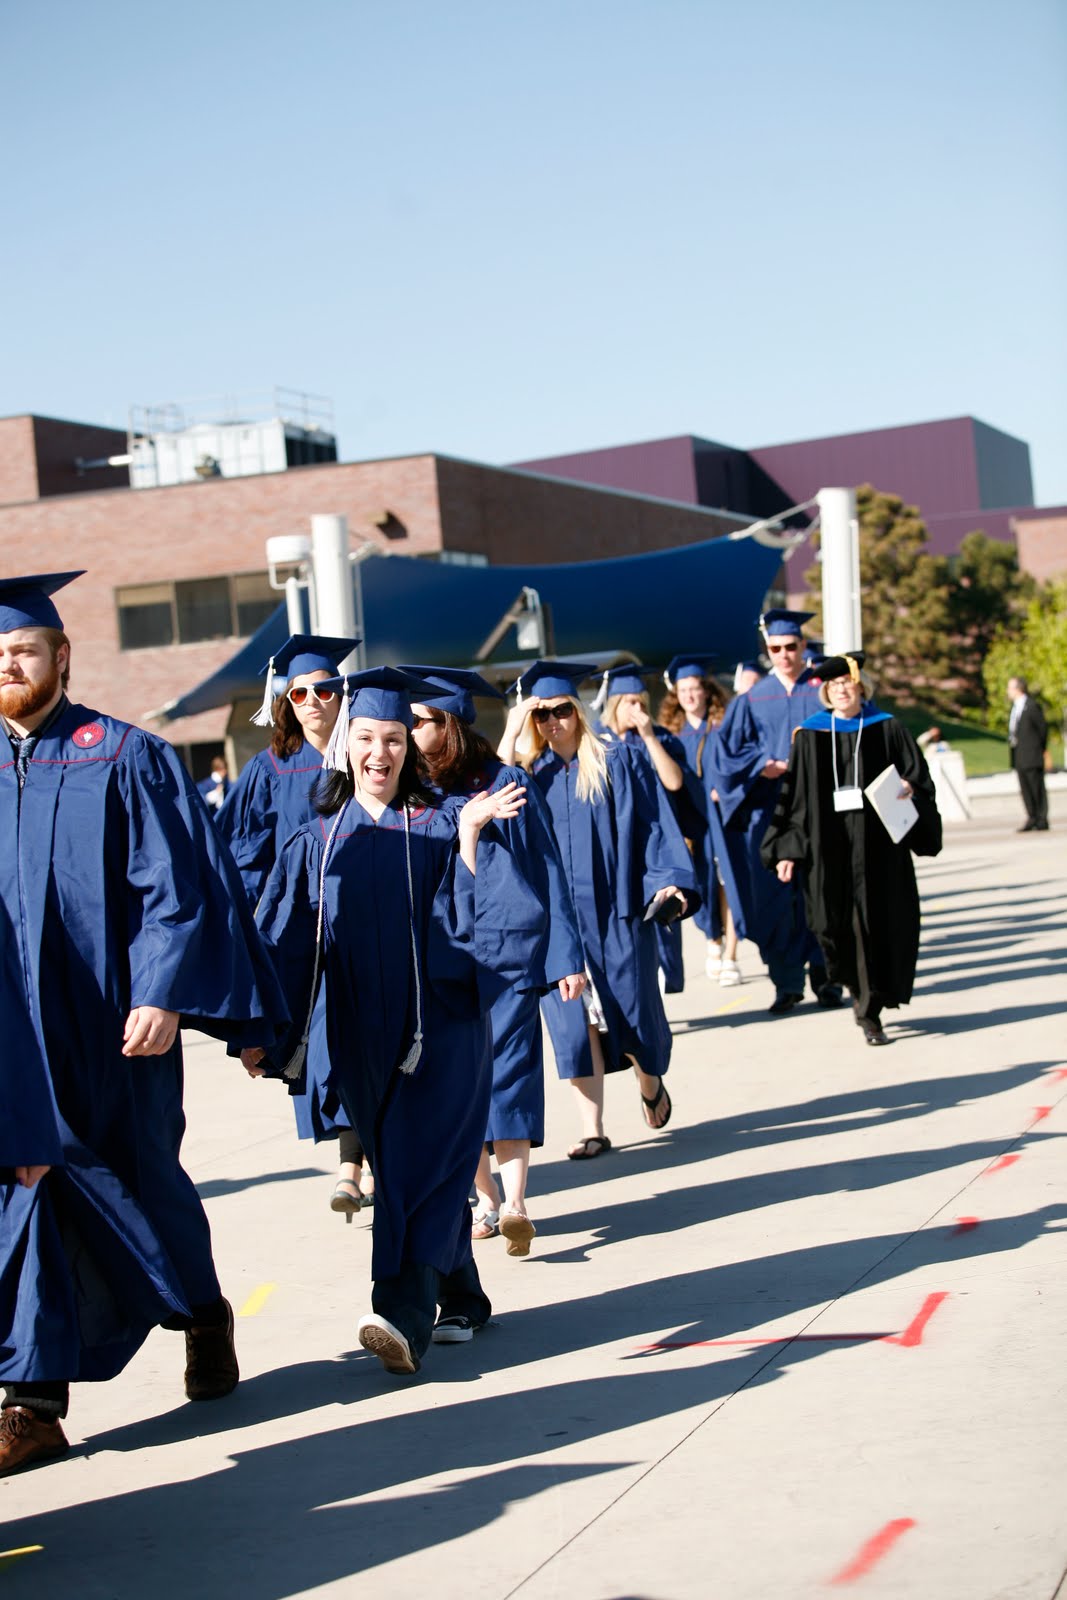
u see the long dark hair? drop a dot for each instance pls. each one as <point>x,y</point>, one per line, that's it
<point>464,758</point>
<point>287,735</point>
<point>334,788</point>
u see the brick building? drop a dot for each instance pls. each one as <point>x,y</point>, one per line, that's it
<point>176,577</point>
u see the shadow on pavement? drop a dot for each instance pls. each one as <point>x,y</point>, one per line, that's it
<point>212,1188</point>
<point>288,1517</point>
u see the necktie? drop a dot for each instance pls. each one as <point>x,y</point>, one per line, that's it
<point>23,752</point>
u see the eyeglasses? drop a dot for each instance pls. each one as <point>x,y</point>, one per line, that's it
<point>776,649</point>
<point>561,713</point>
<point>417,722</point>
<point>298,695</point>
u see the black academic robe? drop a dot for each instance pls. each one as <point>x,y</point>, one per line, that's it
<point>860,894</point>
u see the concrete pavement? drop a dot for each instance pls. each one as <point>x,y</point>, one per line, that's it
<point>809,1337</point>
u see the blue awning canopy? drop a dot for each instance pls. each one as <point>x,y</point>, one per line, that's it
<point>703,597</point>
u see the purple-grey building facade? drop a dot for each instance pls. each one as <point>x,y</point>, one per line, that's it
<point>961,473</point>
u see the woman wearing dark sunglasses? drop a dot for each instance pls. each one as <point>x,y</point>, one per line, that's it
<point>626,862</point>
<point>273,797</point>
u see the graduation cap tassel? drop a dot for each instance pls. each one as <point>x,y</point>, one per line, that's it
<point>264,717</point>
<point>411,1060</point>
<point>295,1065</point>
<point>601,694</point>
<point>336,757</point>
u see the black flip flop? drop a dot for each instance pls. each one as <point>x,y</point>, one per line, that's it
<point>653,1103</point>
<point>582,1152</point>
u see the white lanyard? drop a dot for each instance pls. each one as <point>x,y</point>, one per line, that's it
<point>847,797</point>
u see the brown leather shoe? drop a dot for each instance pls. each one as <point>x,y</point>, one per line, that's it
<point>26,1438</point>
<point>211,1369</point>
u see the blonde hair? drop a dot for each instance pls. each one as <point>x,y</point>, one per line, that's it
<point>592,757</point>
<point>610,714</point>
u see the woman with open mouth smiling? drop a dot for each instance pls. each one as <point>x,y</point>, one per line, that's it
<point>414,920</point>
<point>274,796</point>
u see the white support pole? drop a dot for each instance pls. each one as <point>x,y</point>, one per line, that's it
<point>840,550</point>
<point>334,608</point>
<point>294,605</point>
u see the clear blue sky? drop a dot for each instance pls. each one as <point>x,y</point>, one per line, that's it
<point>512,228</point>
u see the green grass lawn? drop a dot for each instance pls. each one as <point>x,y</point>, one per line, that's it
<point>982,751</point>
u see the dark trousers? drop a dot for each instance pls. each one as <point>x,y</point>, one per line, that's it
<point>50,1399</point>
<point>349,1147</point>
<point>1032,784</point>
<point>409,1300</point>
<point>866,1002</point>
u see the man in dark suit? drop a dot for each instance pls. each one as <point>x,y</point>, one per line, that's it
<point>1027,734</point>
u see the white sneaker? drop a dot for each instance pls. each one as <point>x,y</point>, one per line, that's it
<point>730,976</point>
<point>386,1342</point>
<point>713,960</point>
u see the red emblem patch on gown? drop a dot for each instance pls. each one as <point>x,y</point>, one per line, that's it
<point>87,735</point>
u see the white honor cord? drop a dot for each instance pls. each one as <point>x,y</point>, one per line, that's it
<point>296,1061</point>
<point>411,1060</point>
<point>833,741</point>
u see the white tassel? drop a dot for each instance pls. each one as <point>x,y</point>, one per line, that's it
<point>601,694</point>
<point>336,757</point>
<point>411,1060</point>
<point>264,717</point>
<point>667,679</point>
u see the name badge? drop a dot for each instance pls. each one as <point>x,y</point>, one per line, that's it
<point>850,799</point>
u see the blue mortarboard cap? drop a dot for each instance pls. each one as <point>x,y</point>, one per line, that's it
<point>309,652</point>
<point>779,620</point>
<point>384,693</point>
<point>549,678</point>
<point>301,652</point>
<point>688,666</point>
<point>27,602</point>
<point>627,678</point>
<point>455,688</point>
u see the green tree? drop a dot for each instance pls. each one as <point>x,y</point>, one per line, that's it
<point>905,599</point>
<point>986,594</point>
<point>1033,647</point>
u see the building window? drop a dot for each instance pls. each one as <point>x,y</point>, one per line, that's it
<point>193,610</point>
<point>204,609</point>
<point>146,616</point>
<point>254,601</point>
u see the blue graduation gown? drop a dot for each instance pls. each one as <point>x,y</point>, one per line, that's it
<point>758,727</point>
<point>269,801</point>
<point>272,798</point>
<point>688,808</point>
<point>474,936</point>
<point>517,1103</point>
<point>116,893</point>
<point>617,852</point>
<point>710,854</point>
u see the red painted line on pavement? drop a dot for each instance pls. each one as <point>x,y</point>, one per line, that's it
<point>872,1552</point>
<point>1041,1112</point>
<point>784,1338</point>
<point>913,1333</point>
<point>965,1225</point>
<point>1005,1161</point>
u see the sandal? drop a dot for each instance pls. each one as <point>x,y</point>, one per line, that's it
<point>518,1230</point>
<point>729,974</point>
<point>346,1198</point>
<point>485,1224</point>
<point>582,1152</point>
<point>651,1105</point>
